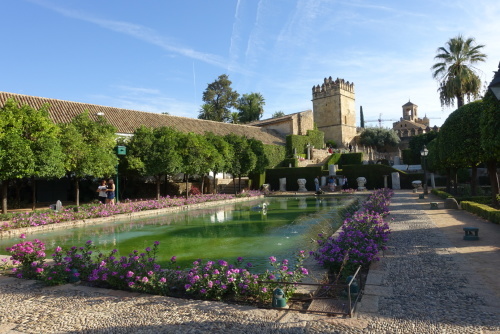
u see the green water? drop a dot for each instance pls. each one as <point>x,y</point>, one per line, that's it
<point>220,232</point>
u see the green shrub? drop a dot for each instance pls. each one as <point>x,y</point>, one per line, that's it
<point>441,194</point>
<point>314,138</point>
<point>286,163</point>
<point>351,159</point>
<point>331,143</point>
<point>476,199</point>
<point>332,160</point>
<point>482,210</point>
<point>275,154</point>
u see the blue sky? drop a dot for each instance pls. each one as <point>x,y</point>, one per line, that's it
<point>159,55</point>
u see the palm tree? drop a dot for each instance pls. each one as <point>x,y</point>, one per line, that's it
<point>234,117</point>
<point>251,107</point>
<point>455,71</point>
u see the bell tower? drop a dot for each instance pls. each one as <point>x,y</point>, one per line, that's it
<point>334,110</point>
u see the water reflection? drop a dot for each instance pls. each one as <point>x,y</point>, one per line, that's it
<point>280,227</point>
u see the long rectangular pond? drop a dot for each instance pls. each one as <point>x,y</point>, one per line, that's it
<point>253,230</point>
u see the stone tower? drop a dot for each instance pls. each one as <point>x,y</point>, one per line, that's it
<point>334,110</point>
<point>410,111</point>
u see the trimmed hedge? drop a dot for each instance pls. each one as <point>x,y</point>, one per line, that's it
<point>441,194</point>
<point>342,159</point>
<point>374,175</point>
<point>482,210</point>
<point>351,159</point>
<point>287,162</point>
<point>275,154</point>
<point>291,175</point>
<point>332,160</point>
<point>314,137</point>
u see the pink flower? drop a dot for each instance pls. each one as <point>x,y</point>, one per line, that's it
<point>22,236</point>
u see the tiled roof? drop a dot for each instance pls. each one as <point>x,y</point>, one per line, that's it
<point>409,125</point>
<point>126,120</point>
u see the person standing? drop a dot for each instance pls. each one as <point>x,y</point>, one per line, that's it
<point>345,186</point>
<point>102,190</point>
<point>111,192</point>
<point>316,183</point>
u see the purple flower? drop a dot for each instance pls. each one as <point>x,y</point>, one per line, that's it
<point>272,259</point>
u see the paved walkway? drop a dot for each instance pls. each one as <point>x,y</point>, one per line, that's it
<point>429,281</point>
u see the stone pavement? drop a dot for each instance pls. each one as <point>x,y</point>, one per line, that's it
<point>429,281</point>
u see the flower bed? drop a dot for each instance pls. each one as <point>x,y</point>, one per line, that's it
<point>213,280</point>
<point>361,238</point>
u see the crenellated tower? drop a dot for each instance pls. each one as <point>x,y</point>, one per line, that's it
<point>334,110</point>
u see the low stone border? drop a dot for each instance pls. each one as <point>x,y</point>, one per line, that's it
<point>120,217</point>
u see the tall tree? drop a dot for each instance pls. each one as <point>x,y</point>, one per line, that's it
<point>224,156</point>
<point>244,160</point>
<point>29,146</point>
<point>490,141</point>
<point>234,118</point>
<point>262,161</point>
<point>251,107</point>
<point>221,98</point>
<point>89,149</point>
<point>361,117</point>
<point>198,156</point>
<point>154,153</point>
<point>459,143</point>
<point>278,114</point>
<point>379,138</point>
<point>455,70</point>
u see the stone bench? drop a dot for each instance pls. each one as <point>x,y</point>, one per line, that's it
<point>471,233</point>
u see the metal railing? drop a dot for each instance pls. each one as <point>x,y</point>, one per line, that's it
<point>336,299</point>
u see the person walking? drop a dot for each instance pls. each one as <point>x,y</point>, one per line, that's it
<point>102,190</point>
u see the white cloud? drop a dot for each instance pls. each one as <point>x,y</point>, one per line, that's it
<point>140,32</point>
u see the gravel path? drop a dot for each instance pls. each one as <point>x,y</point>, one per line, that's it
<point>422,285</point>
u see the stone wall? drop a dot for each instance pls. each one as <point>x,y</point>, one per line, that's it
<point>334,110</point>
